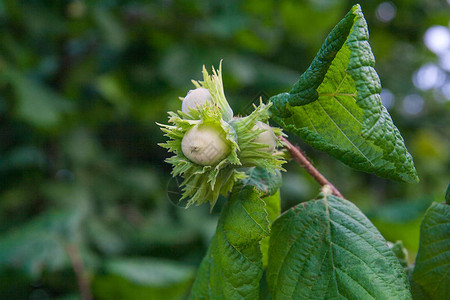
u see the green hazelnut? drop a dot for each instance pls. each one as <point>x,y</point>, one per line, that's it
<point>267,137</point>
<point>205,144</point>
<point>194,98</point>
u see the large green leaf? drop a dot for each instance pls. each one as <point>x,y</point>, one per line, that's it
<point>36,103</point>
<point>264,180</point>
<point>336,106</point>
<point>400,252</point>
<point>273,208</point>
<point>232,267</point>
<point>327,249</point>
<point>138,278</point>
<point>40,245</point>
<point>418,293</point>
<point>432,269</point>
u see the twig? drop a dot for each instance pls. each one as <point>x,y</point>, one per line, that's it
<point>78,268</point>
<point>298,156</point>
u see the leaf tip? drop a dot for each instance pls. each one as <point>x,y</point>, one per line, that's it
<point>356,7</point>
<point>411,177</point>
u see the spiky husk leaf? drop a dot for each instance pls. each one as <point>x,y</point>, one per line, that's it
<point>214,84</point>
<point>252,154</point>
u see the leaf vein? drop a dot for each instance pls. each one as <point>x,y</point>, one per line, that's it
<point>436,255</point>
<point>310,120</point>
<point>345,108</point>
<point>343,133</point>
<point>357,234</point>
<point>364,262</point>
<point>290,249</point>
<point>363,287</point>
<point>327,209</point>
<point>259,225</point>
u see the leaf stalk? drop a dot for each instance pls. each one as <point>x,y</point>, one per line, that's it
<point>298,156</point>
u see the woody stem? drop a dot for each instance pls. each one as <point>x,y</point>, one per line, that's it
<point>298,156</point>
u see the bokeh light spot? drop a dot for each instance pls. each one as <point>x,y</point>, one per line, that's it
<point>437,39</point>
<point>386,11</point>
<point>444,60</point>
<point>413,104</point>
<point>429,76</point>
<point>446,91</point>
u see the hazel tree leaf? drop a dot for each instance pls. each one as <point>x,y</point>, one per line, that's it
<point>327,249</point>
<point>400,252</point>
<point>264,180</point>
<point>418,293</point>
<point>273,208</point>
<point>432,269</point>
<point>40,245</point>
<point>140,278</point>
<point>336,107</point>
<point>232,267</point>
<point>36,103</point>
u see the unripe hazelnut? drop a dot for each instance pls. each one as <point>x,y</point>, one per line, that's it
<point>194,98</point>
<point>267,137</point>
<point>205,144</point>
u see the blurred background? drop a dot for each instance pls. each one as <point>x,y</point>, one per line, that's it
<point>85,195</point>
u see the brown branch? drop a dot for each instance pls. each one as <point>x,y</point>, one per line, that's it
<point>78,268</point>
<point>298,156</point>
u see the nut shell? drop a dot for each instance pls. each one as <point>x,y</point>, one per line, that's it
<point>205,145</point>
<point>194,98</point>
<point>267,137</point>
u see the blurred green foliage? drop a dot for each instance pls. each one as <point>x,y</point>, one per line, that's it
<point>82,84</point>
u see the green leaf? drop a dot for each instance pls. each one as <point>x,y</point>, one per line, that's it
<point>40,244</point>
<point>432,269</point>
<point>264,180</point>
<point>14,284</point>
<point>273,211</point>
<point>336,106</point>
<point>417,291</point>
<point>36,103</point>
<point>327,249</point>
<point>104,237</point>
<point>400,252</point>
<point>273,207</point>
<point>138,278</point>
<point>22,157</point>
<point>232,267</point>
